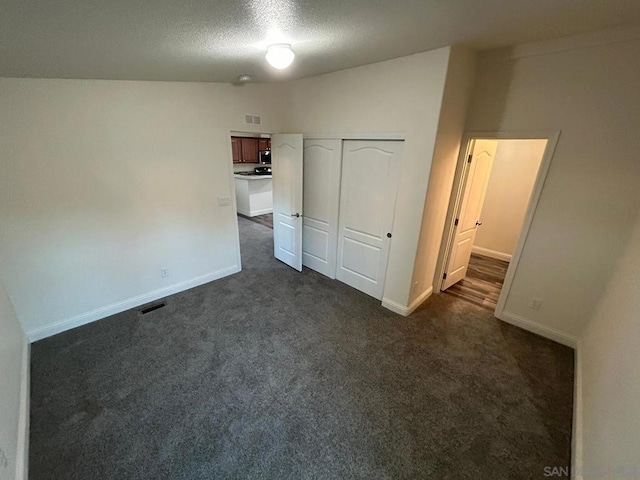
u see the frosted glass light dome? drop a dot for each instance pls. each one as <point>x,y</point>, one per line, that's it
<point>280,55</point>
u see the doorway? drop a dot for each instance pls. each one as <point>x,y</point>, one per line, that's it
<point>252,186</point>
<point>497,186</point>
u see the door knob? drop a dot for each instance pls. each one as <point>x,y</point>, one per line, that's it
<point>297,215</point>
<point>478,224</point>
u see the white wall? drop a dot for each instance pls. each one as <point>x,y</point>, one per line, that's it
<point>401,96</point>
<point>106,182</point>
<point>591,193</point>
<point>457,92</point>
<point>513,175</point>
<point>14,371</point>
<point>610,369</point>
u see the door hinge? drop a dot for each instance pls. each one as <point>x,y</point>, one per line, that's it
<point>455,224</point>
<point>469,158</point>
<point>444,276</point>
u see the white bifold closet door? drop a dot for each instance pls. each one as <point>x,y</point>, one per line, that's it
<point>367,203</point>
<point>322,165</point>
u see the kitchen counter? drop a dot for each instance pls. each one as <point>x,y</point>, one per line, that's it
<point>254,194</point>
<point>251,177</point>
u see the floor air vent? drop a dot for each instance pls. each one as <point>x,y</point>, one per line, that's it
<point>151,308</point>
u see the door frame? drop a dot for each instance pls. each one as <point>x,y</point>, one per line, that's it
<point>467,174</point>
<point>552,137</point>
<point>234,132</point>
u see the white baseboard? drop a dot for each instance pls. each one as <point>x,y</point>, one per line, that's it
<point>263,211</point>
<point>395,307</point>
<point>420,299</point>
<point>539,329</point>
<point>403,310</point>
<point>491,253</point>
<point>576,442</point>
<point>253,213</point>
<point>102,312</point>
<point>22,455</point>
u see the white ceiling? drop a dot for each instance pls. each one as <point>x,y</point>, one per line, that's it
<point>216,40</point>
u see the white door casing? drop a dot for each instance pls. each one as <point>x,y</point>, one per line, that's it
<point>469,206</point>
<point>370,171</point>
<point>322,167</point>
<point>286,158</point>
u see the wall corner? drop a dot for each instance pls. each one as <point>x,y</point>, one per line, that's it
<point>576,435</point>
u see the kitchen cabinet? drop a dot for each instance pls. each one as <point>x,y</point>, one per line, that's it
<point>264,144</point>
<point>236,151</point>
<point>249,150</point>
<point>245,149</point>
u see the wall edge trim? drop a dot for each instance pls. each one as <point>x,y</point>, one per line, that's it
<point>487,252</point>
<point>577,462</point>
<point>132,302</point>
<point>403,310</point>
<point>22,454</point>
<point>621,34</point>
<point>539,329</point>
<point>354,136</point>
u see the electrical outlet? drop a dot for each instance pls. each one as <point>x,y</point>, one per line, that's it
<point>224,201</point>
<point>164,272</point>
<point>536,303</point>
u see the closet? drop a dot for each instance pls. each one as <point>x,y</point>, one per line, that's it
<point>349,199</point>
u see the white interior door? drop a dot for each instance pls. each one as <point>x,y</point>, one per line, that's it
<point>322,164</point>
<point>367,202</point>
<point>474,187</point>
<point>286,164</point>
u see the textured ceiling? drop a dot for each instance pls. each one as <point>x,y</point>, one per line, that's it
<point>216,40</point>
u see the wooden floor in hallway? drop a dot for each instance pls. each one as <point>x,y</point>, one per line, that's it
<point>483,282</point>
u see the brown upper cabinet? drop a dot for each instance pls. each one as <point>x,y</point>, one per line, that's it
<point>236,150</point>
<point>250,150</point>
<point>264,144</point>
<point>245,149</point>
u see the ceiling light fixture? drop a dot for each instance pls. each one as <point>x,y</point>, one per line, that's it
<point>280,55</point>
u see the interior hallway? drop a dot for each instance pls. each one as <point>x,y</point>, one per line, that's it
<point>272,373</point>
<point>483,282</point>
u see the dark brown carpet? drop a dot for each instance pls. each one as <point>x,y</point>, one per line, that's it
<point>276,374</point>
<point>266,219</point>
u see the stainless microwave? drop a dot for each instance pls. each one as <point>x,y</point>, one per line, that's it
<point>264,157</point>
